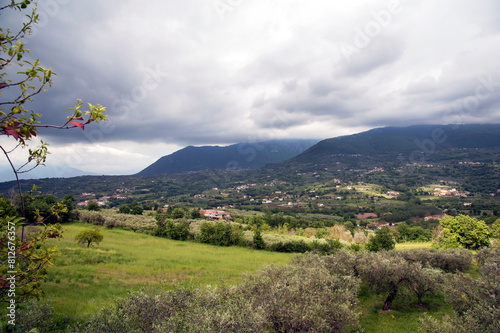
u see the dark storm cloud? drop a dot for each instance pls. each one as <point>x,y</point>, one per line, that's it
<point>176,73</point>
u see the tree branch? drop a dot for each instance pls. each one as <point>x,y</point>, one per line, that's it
<point>17,179</point>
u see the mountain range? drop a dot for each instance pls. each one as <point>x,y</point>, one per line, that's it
<point>241,156</point>
<point>380,147</point>
<point>413,144</point>
<point>407,145</point>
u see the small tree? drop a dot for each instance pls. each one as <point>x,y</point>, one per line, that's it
<point>93,206</point>
<point>382,240</point>
<point>388,272</point>
<point>124,209</point>
<point>258,241</point>
<point>178,213</point>
<point>89,236</point>
<point>195,214</point>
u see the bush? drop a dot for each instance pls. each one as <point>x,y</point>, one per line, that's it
<point>388,272</point>
<point>221,234</point>
<point>35,315</point>
<point>489,253</point>
<point>93,206</point>
<point>290,247</point>
<point>343,263</point>
<point>217,310</point>
<point>183,310</point>
<point>124,209</point>
<point>175,231</point>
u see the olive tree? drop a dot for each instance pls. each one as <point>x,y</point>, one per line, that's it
<point>476,301</point>
<point>387,272</point>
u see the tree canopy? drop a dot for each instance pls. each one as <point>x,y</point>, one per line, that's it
<point>462,231</point>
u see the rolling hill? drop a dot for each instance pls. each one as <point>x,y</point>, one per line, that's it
<point>241,156</point>
<point>410,144</point>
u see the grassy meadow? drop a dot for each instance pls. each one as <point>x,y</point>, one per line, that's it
<point>83,279</point>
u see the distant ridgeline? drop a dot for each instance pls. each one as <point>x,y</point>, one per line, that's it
<point>411,156</point>
<point>399,146</point>
<point>245,155</point>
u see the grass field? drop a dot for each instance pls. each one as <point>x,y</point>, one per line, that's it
<point>83,279</point>
<point>412,245</point>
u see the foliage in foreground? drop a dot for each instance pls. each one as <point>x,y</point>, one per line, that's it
<point>28,257</point>
<point>475,301</point>
<point>303,295</point>
<point>314,293</point>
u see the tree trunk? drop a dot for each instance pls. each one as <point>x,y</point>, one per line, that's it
<point>420,296</point>
<point>88,244</point>
<point>392,295</point>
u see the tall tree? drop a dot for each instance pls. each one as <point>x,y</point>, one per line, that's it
<point>462,231</point>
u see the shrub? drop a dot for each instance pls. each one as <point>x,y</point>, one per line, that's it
<point>359,237</point>
<point>302,296</point>
<point>221,234</point>
<point>93,206</point>
<point>217,310</point>
<point>342,262</point>
<point>175,231</point>
<point>35,315</point>
<point>178,213</point>
<point>290,247</point>
<point>183,310</point>
<point>124,209</point>
<point>489,253</point>
<point>339,231</point>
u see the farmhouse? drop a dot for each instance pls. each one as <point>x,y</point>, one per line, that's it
<point>435,217</point>
<point>216,214</point>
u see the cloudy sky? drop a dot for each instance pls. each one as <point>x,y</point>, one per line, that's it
<point>217,72</point>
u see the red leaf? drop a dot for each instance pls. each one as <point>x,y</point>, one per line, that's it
<point>78,124</point>
<point>13,133</point>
